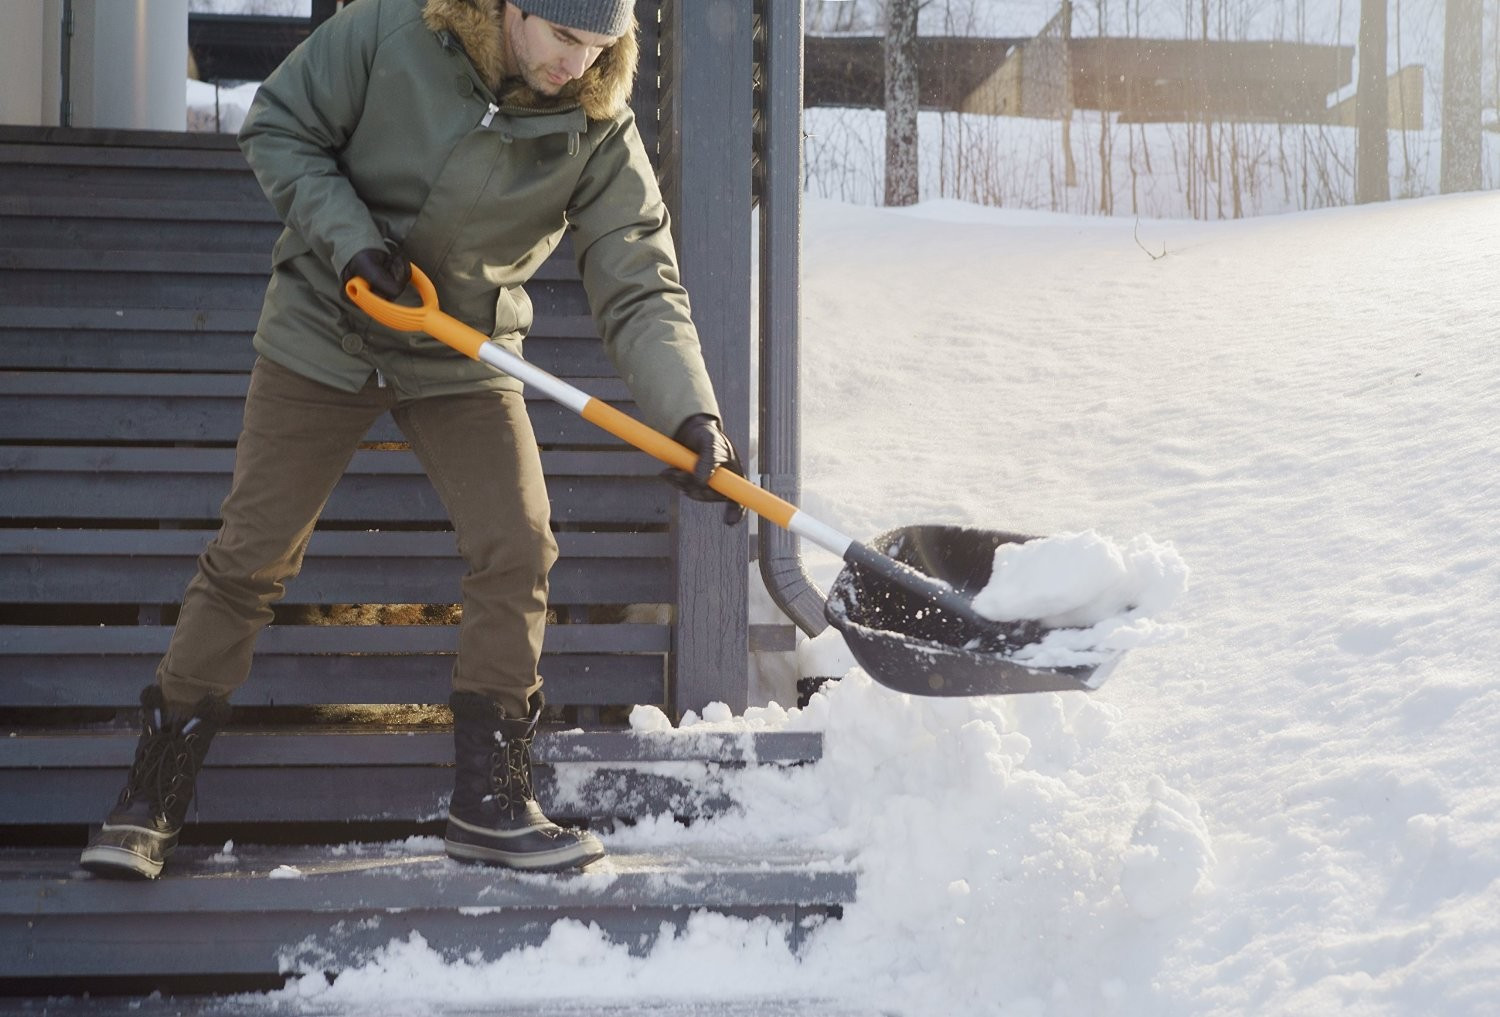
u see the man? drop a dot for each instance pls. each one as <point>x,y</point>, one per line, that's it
<point>464,136</point>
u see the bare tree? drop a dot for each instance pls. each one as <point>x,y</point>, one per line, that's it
<point>1372,177</point>
<point>901,157</point>
<point>1462,45</point>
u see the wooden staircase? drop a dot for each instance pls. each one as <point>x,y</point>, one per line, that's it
<point>131,272</point>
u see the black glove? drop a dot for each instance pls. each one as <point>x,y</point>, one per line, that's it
<point>387,272</point>
<point>701,433</point>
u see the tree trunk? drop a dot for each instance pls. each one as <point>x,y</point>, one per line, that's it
<point>1462,37</point>
<point>1372,175</point>
<point>901,183</point>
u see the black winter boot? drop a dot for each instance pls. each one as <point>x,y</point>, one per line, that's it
<point>494,817</point>
<point>141,830</point>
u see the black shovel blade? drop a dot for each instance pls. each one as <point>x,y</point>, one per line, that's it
<point>907,643</point>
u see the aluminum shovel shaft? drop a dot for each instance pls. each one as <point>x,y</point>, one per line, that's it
<point>429,318</point>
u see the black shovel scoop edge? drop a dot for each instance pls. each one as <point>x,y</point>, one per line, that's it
<point>904,603</point>
<point>924,637</point>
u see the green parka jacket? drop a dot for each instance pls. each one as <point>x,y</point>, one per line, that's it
<point>385,126</point>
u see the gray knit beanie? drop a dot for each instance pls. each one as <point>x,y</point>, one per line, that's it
<point>602,17</point>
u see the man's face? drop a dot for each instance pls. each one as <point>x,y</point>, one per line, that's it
<point>548,56</point>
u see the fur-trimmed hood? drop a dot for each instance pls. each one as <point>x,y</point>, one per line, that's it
<point>476,25</point>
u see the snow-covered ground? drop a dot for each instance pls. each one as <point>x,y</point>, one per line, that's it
<point>1291,808</point>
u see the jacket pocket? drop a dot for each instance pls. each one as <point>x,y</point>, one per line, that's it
<point>288,246</point>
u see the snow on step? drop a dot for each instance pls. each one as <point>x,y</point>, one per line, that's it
<point>273,909</point>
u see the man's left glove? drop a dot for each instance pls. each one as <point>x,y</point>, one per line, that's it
<point>387,272</point>
<point>701,433</point>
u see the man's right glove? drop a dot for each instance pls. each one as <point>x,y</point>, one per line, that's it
<point>387,272</point>
<point>701,433</point>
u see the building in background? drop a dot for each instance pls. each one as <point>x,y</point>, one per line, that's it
<point>94,63</point>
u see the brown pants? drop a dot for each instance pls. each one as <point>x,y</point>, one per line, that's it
<point>298,438</point>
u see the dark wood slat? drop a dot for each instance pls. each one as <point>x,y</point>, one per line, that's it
<point>151,640</point>
<point>384,878</point>
<point>166,234</point>
<point>212,420</point>
<point>77,406</point>
<point>175,462</point>
<point>114,138</point>
<point>71,147</point>
<point>215,171</point>
<point>209,218</point>
<point>95,263</point>
<point>234,749</point>
<point>211,916</point>
<point>153,566</point>
<point>131,224</point>
<point>394,544</point>
<point>309,665</point>
<point>71,318</point>
<point>344,675</point>
<point>212,215</point>
<point>78,385</point>
<point>207,291</point>
<point>63,177</point>
<point>148,268</point>
<point>203,944</point>
<point>552,346</point>
<point>74,318</point>
<point>384,792</point>
<point>191,483</point>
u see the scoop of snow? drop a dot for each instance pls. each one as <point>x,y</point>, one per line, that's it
<point>1096,596</point>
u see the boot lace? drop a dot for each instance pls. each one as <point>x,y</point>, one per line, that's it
<point>163,763</point>
<point>510,773</point>
<point>510,770</point>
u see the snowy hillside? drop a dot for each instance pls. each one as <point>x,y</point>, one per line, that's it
<point>1293,808</point>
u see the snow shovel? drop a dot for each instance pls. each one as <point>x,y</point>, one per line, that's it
<point>904,606</point>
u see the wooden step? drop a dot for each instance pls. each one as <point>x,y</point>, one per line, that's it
<point>214,340</point>
<point>47,406</point>
<point>79,483</point>
<point>73,666</point>
<point>55,778</point>
<point>295,910</point>
<point>341,567</point>
<point>138,224</point>
<point>207,167</point>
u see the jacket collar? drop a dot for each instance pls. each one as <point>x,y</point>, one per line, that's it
<point>476,25</point>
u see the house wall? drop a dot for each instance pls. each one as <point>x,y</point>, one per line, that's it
<point>129,60</point>
<point>30,63</point>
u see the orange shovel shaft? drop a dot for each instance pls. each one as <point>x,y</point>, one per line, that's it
<point>472,343</point>
<point>731,485</point>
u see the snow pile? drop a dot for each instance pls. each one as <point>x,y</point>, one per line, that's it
<point>1293,808</point>
<point>981,830</point>
<point>1099,599</point>
<point>1169,855</point>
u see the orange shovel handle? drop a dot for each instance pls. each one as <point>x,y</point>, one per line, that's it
<point>472,343</point>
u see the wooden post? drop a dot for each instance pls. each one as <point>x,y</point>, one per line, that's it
<point>706,159</point>
<point>322,10</point>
